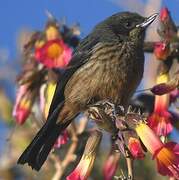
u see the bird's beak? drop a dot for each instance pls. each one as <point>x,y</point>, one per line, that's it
<point>147,21</point>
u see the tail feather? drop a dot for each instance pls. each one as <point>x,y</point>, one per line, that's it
<point>49,143</point>
<point>45,138</point>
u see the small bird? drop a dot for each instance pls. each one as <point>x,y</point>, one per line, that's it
<point>107,64</point>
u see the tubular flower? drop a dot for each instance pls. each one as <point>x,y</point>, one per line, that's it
<point>46,95</point>
<point>83,169</point>
<point>161,50</point>
<point>111,165</point>
<point>166,155</point>
<point>160,119</point>
<point>135,148</point>
<point>54,54</point>
<point>23,104</point>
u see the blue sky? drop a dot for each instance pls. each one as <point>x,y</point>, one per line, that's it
<point>18,14</point>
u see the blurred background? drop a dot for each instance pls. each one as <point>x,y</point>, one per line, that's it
<point>19,17</point>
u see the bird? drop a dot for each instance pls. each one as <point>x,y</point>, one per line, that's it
<point>107,64</point>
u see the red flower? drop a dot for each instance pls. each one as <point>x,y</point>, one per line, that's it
<point>164,14</point>
<point>111,165</point>
<point>160,119</point>
<point>54,54</point>
<point>166,155</point>
<point>84,167</point>
<point>23,104</point>
<point>161,50</point>
<point>62,139</point>
<point>161,123</point>
<point>168,160</point>
<point>135,148</point>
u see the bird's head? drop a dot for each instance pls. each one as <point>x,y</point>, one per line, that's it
<point>127,24</point>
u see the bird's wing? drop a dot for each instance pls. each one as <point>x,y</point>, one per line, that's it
<point>80,57</point>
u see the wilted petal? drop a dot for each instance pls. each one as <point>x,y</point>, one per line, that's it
<point>163,88</point>
<point>83,169</point>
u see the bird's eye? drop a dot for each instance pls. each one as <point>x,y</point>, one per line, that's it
<point>128,25</point>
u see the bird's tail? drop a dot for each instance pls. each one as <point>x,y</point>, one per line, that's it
<point>37,151</point>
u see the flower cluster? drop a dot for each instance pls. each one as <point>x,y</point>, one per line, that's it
<point>45,55</point>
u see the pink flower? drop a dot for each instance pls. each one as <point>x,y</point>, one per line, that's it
<point>111,165</point>
<point>166,155</point>
<point>161,123</point>
<point>23,104</point>
<point>54,54</point>
<point>168,160</point>
<point>161,50</point>
<point>160,119</point>
<point>62,139</point>
<point>135,148</point>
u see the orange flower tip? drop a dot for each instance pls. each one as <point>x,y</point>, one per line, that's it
<point>135,148</point>
<point>161,50</point>
<point>160,123</point>
<point>164,14</point>
<point>168,160</point>
<point>162,88</point>
<point>54,54</point>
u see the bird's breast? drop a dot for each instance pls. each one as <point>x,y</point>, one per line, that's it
<point>111,73</point>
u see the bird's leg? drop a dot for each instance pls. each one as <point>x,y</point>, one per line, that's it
<point>129,162</point>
